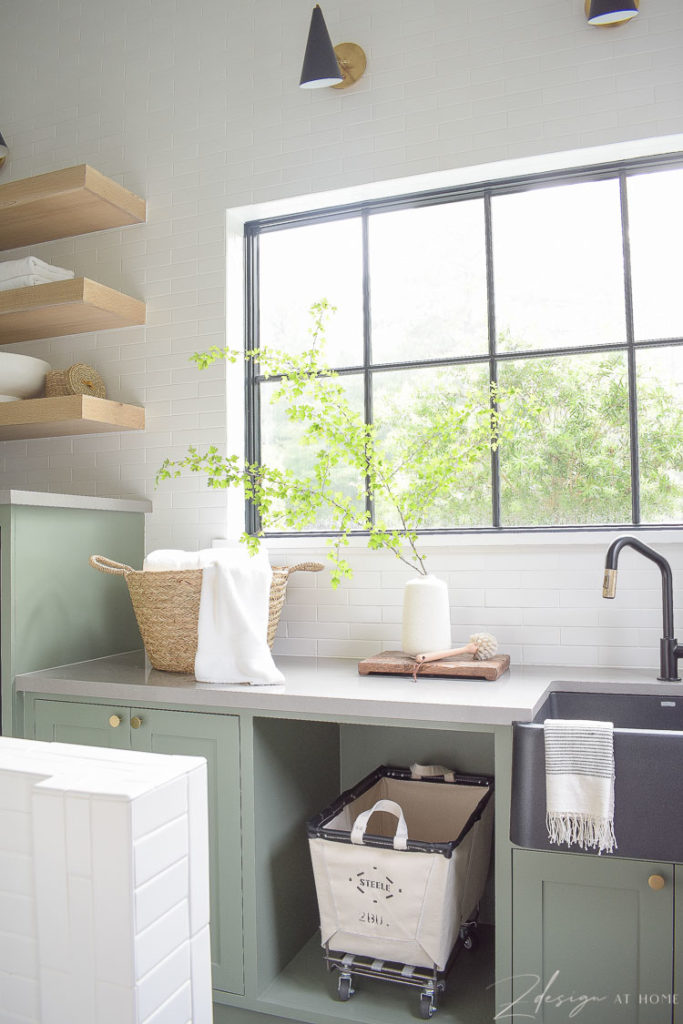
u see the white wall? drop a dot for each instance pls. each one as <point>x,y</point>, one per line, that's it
<point>196,107</point>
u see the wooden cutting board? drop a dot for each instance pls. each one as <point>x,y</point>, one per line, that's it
<point>396,663</point>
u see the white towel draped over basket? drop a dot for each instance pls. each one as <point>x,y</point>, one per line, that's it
<point>233,613</point>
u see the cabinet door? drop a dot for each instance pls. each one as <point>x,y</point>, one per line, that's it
<point>215,737</point>
<point>92,725</point>
<point>591,935</point>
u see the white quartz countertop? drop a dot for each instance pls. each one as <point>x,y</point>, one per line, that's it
<point>332,688</point>
<point>48,499</point>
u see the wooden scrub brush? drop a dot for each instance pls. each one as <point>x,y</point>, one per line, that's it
<point>481,646</point>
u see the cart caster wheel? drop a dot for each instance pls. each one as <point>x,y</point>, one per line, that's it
<point>427,1005</point>
<point>470,939</point>
<point>344,990</point>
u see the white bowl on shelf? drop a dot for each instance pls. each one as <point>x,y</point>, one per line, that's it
<point>21,376</point>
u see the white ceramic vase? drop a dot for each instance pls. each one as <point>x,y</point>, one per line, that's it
<point>426,616</point>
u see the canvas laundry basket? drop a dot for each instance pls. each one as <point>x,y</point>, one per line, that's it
<point>400,862</point>
<point>166,605</point>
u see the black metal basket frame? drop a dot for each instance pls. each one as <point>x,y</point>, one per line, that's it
<point>316,826</point>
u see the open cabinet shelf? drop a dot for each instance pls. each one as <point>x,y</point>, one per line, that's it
<point>60,204</point>
<point>299,767</point>
<point>65,307</point>
<point>66,415</point>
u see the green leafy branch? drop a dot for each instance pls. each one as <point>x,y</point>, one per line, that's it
<point>349,465</point>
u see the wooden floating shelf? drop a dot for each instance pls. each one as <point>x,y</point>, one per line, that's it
<point>65,307</point>
<point>60,204</point>
<point>67,414</point>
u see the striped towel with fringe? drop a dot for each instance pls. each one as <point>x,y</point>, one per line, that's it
<point>579,783</point>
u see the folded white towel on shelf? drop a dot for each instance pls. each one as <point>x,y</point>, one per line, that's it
<point>33,265</point>
<point>29,280</point>
<point>579,780</point>
<point>232,644</point>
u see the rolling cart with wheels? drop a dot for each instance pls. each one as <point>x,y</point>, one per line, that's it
<point>399,904</point>
<point>432,983</point>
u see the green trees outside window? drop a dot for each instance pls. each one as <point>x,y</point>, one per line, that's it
<point>564,449</point>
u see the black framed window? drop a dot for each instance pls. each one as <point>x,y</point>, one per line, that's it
<point>562,288</point>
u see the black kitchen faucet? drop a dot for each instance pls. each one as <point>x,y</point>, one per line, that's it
<point>669,648</point>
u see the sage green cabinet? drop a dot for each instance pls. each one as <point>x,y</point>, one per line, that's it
<point>54,608</point>
<point>590,935</point>
<point>215,737</point>
<point>261,792</point>
<point>91,725</point>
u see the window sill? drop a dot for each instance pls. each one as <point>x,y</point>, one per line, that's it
<point>515,539</point>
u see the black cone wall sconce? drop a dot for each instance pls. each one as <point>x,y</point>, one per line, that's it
<point>610,12</point>
<point>327,65</point>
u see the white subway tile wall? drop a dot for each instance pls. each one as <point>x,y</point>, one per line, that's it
<point>544,606</point>
<point>199,111</point>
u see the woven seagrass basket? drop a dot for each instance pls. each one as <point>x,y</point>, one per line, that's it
<point>79,379</point>
<point>166,605</point>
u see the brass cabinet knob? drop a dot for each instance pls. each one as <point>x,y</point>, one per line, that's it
<point>135,722</point>
<point>656,882</point>
<point>115,721</point>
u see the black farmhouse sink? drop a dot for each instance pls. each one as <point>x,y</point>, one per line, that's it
<point>648,755</point>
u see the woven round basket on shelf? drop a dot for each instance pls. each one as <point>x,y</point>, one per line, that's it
<point>79,379</point>
<point>166,605</point>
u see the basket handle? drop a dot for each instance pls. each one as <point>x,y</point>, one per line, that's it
<point>431,771</point>
<point>106,565</point>
<point>361,823</point>
<point>305,567</point>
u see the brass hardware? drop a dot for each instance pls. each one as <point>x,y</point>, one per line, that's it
<point>135,722</point>
<point>352,63</point>
<point>115,721</point>
<point>610,24</point>
<point>656,882</point>
<point>609,583</point>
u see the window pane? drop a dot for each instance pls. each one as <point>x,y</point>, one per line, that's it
<point>428,282</point>
<point>283,447</point>
<point>417,412</point>
<point>655,215</point>
<point>558,265</point>
<point>301,266</point>
<point>568,461</point>
<point>660,433</point>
